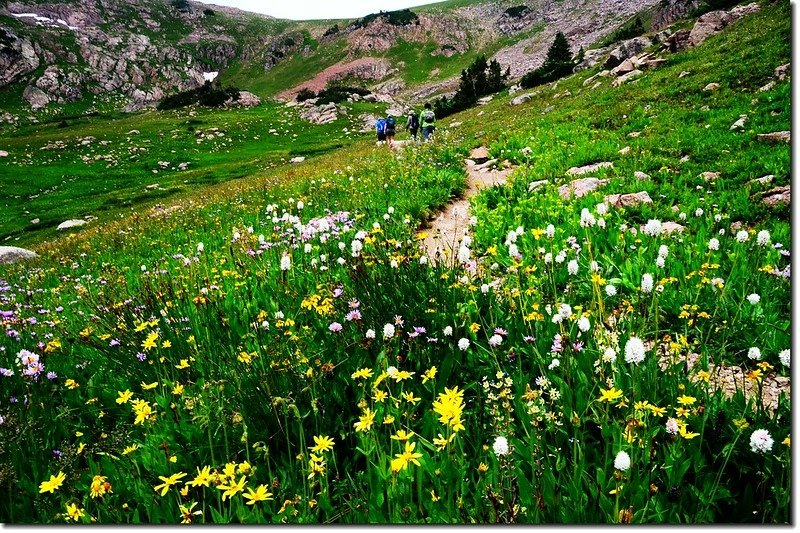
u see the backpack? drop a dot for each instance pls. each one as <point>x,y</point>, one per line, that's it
<point>380,126</point>
<point>413,121</point>
<point>390,126</point>
<point>428,118</point>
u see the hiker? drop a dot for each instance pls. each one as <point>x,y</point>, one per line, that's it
<point>412,123</point>
<point>389,129</point>
<point>380,128</point>
<point>428,122</point>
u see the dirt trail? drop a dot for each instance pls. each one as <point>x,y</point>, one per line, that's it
<point>443,238</point>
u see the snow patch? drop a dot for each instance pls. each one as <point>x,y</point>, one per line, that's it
<point>44,21</point>
<point>210,76</point>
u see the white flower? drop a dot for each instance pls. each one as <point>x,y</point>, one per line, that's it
<point>388,331</point>
<point>682,216</point>
<point>785,357</point>
<point>587,218</point>
<point>660,262</point>
<point>622,461</point>
<point>370,334</point>
<point>584,324</point>
<point>761,441</point>
<point>463,344</point>
<point>561,257</point>
<point>672,426</point>
<point>564,310</point>
<point>200,247</point>
<point>557,319</point>
<point>698,212</point>
<point>286,262</point>
<point>550,231</point>
<point>495,340</point>
<point>484,288</point>
<point>634,351</point>
<point>386,216</point>
<point>713,244</point>
<point>753,298</point>
<point>594,267</point>
<point>602,209</point>
<point>463,254</point>
<point>392,371</point>
<point>511,237</point>
<point>647,283</point>
<point>763,237</point>
<point>609,355</point>
<point>356,246</point>
<point>300,205</point>
<point>548,258</point>
<point>393,263</point>
<point>717,217</point>
<point>572,267</point>
<point>663,251</point>
<point>447,331</point>
<point>340,260</point>
<point>653,228</point>
<point>307,248</point>
<point>390,210</point>
<point>601,223</point>
<point>555,363</point>
<point>423,260</point>
<point>513,251</point>
<point>500,446</point>
<point>611,290</point>
<point>742,236</point>
<point>343,245</point>
<point>754,354</point>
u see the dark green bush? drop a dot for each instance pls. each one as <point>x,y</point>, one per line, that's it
<point>517,12</point>
<point>207,95</point>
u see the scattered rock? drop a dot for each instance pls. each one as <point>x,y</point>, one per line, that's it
<point>709,176</point>
<point>775,136</point>
<point>764,180</point>
<point>521,99</point>
<point>715,21</point>
<point>671,227</point>
<point>455,124</point>
<point>711,87</point>
<point>580,187</point>
<point>625,150</point>
<point>630,199</point>
<point>72,223</point>
<point>635,134</point>
<point>3,153</point>
<point>625,50</point>
<point>623,68</point>
<point>579,171</point>
<point>153,186</point>
<point>768,87</point>
<point>739,124</point>
<point>298,159</point>
<point>641,176</point>
<point>626,78</point>
<point>601,74</point>
<point>778,195</point>
<point>35,96</point>
<point>480,154</point>
<point>782,71</point>
<point>485,100</point>
<point>12,254</point>
<point>683,74</point>
<point>35,221</point>
<point>532,186</point>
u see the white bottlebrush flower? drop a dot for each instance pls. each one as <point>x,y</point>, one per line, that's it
<point>572,267</point>
<point>698,212</point>
<point>200,247</point>
<point>423,260</point>
<point>550,231</point>
<point>763,238</point>
<point>647,283</point>
<point>342,245</point>
<point>561,257</point>
<point>548,258</point>
<point>370,334</point>
<point>653,228</point>
<point>663,251</point>
<point>602,209</point>
<point>388,331</point>
<point>672,426</point>
<point>495,340</point>
<point>144,268</point>
<point>594,267</point>
<point>587,218</point>
<point>307,248</point>
<point>622,461</point>
<point>463,254</point>
<point>500,446</point>
<point>565,310</point>
<point>611,290</point>
<point>447,331</point>
<point>713,244</point>
<point>286,262</point>
<point>761,441</point>
<point>785,357</point>
<point>609,355</point>
<point>634,351</point>
<point>682,216</point>
<point>463,344</point>
<point>386,216</point>
<point>753,299</point>
<point>660,262</point>
<point>584,324</point>
<point>340,260</point>
<point>513,251</point>
<point>601,223</point>
<point>511,237</point>
<point>356,246</point>
<point>393,263</point>
<point>717,217</point>
<point>754,354</point>
<point>742,236</point>
<point>485,288</point>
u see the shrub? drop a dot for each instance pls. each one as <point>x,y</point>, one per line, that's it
<point>180,5</point>
<point>333,30</point>
<point>305,94</point>
<point>478,80</point>
<point>209,12</point>
<point>403,17</point>
<point>628,30</point>
<point>339,93</point>
<point>517,12</point>
<point>557,64</point>
<point>207,95</point>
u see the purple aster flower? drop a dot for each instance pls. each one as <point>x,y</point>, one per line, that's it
<point>51,375</point>
<point>335,327</point>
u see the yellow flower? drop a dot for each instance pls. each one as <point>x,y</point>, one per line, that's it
<point>74,512</point>
<point>130,449</point>
<point>173,458</point>
<point>408,456</point>
<point>244,468</point>
<point>380,396</point>
<point>402,435</point>
<point>203,477</point>
<point>741,423</point>
<point>400,375</point>
<point>441,442</point>
<point>187,513</point>
<point>150,341</point>
<point>430,374</point>
<point>81,447</point>
<point>71,384</point>
<point>474,327</point>
<point>702,375</point>
<point>787,441</point>
<point>658,411</point>
<point>148,386</point>
<point>434,497</point>
<point>258,495</point>
<point>233,488</point>
<point>177,389</point>
<point>686,400</point>
<point>537,233</point>
<point>170,481</point>
<point>143,411</point>
<point>53,483</point>
<point>483,468</point>
<point>183,364</point>
<point>681,412</point>
<point>409,397</point>
<point>364,373</point>
<point>365,421</point>
<point>166,344</point>
<point>124,396</point>
<point>322,443</point>
<point>609,395</point>
<point>388,419</point>
<point>686,434</point>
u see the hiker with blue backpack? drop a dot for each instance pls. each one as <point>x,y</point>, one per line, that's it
<point>389,129</point>
<point>380,129</point>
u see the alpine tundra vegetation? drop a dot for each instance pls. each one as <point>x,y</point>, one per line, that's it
<point>225,312</point>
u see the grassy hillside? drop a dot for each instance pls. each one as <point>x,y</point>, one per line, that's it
<point>276,349</point>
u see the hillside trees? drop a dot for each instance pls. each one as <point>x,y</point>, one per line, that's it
<point>558,63</point>
<point>480,79</point>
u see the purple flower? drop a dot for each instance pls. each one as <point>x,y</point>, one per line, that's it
<point>6,372</point>
<point>501,331</point>
<point>577,346</point>
<point>337,292</point>
<point>353,315</point>
<point>51,375</point>
<point>141,356</point>
<point>335,327</point>
<point>556,347</point>
<point>114,342</point>
<point>528,338</point>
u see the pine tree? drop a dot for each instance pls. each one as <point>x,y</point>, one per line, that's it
<point>559,52</point>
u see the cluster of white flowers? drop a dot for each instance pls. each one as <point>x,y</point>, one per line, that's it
<point>742,236</point>
<point>572,267</point>
<point>609,355</point>
<point>761,441</point>
<point>463,344</point>
<point>388,331</point>
<point>500,446</point>
<point>495,340</point>
<point>550,231</point>
<point>713,244</point>
<point>647,283</point>
<point>753,298</point>
<point>634,351</point>
<point>447,331</point>
<point>587,218</point>
<point>663,251</point>
<point>653,228</point>
<point>602,209</point>
<point>286,262</point>
<point>754,354</point>
<point>763,238</point>
<point>370,334</point>
<point>622,461</point>
<point>611,290</point>
<point>785,357</point>
<point>584,324</point>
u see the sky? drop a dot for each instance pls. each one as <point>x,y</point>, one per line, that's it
<point>318,9</point>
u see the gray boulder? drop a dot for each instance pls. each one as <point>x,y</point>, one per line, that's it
<point>776,136</point>
<point>626,50</point>
<point>521,99</point>
<point>626,78</point>
<point>12,254</point>
<point>35,96</point>
<point>580,187</point>
<point>578,171</point>
<point>630,199</point>
<point>72,223</point>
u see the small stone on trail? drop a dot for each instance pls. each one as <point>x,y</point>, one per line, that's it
<point>578,171</point>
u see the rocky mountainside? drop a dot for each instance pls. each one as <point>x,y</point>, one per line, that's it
<point>137,51</point>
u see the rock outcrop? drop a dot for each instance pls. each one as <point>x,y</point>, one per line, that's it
<point>12,254</point>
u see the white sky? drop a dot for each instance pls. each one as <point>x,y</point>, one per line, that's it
<point>318,9</point>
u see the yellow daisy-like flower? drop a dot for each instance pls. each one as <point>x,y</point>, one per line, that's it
<point>177,390</point>
<point>609,395</point>
<point>483,468</point>
<point>388,419</point>
<point>429,374</point>
<point>166,344</point>
<point>130,449</point>
<point>365,421</point>
<point>232,489</point>
<point>402,435</point>
<point>474,327</point>
<point>74,512</point>
<point>409,397</point>
<point>124,396</point>
<point>364,373</point>
<point>170,481</point>
<point>258,495</point>
<point>380,396</point>
<point>686,400</point>
<point>187,513</point>
<point>183,364</point>
<point>787,441</point>
<point>52,484</point>
<point>203,477</point>
<point>322,443</point>
<point>148,386</point>
<point>441,442</point>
